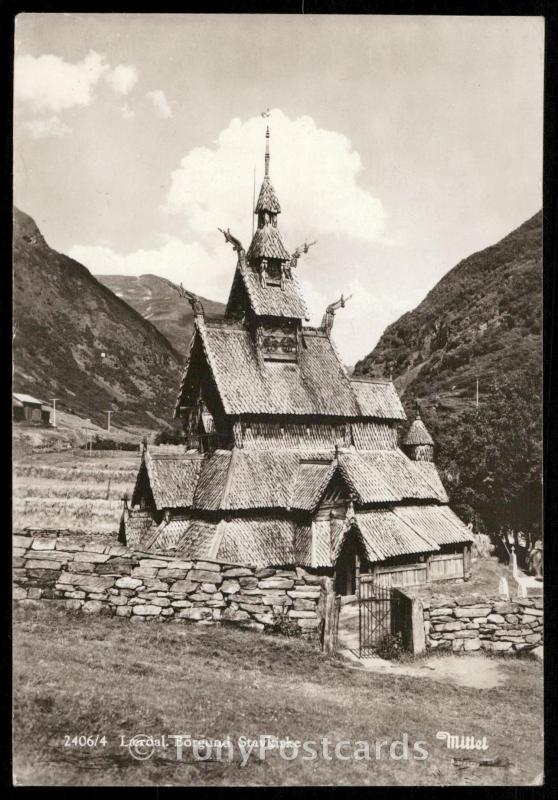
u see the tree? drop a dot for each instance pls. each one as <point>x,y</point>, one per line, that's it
<point>491,458</point>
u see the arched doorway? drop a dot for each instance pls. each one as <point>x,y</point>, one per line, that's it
<point>347,565</point>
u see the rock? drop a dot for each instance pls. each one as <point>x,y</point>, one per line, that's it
<point>501,645</point>
<point>237,572</point>
<point>123,611</point>
<point>144,572</point>
<point>183,587</point>
<point>119,601</point>
<point>308,577</point>
<point>472,644</point>
<point>538,653</point>
<point>18,593</point>
<point>230,586</point>
<point>146,610</point>
<point>308,623</point>
<point>301,614</point>
<point>265,572</point>
<point>248,582</point>
<point>472,611</point>
<point>195,613</point>
<point>43,544</point>
<point>265,619</point>
<point>457,645</point>
<point>253,609</point>
<point>512,618</point>
<point>91,606</point>
<point>215,603</point>
<point>465,635</point>
<point>276,583</point>
<point>43,564</point>
<point>22,541</point>
<point>155,585</point>
<point>495,618</point>
<point>74,605</point>
<point>277,600</point>
<point>304,605</point>
<point>87,583</point>
<point>34,593</point>
<point>530,637</point>
<point>172,574</point>
<point>448,626</point>
<point>128,583</point>
<point>309,594</point>
<point>248,599</point>
<point>504,608</point>
<point>91,558</point>
<point>79,566</point>
<point>235,615</point>
<point>208,588</point>
<point>205,576</point>
<point>181,603</point>
<point>163,602</point>
<point>440,612</point>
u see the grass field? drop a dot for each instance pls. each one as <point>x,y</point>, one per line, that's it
<point>65,490</point>
<point>101,676</point>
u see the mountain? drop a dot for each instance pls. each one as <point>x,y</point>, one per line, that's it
<point>482,321</point>
<point>484,318</point>
<point>157,300</point>
<point>65,320</point>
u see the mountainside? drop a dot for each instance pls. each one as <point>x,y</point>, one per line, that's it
<point>157,300</point>
<point>484,318</point>
<point>65,320</point>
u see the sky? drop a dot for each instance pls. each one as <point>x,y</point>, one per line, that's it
<point>401,144</point>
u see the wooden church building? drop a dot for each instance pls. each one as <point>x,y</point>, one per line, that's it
<point>288,460</point>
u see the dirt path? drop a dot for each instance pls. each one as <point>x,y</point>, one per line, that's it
<point>476,671</point>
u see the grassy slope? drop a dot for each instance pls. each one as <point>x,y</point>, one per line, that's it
<point>67,490</point>
<point>157,300</point>
<point>65,319</point>
<point>76,675</point>
<point>483,318</point>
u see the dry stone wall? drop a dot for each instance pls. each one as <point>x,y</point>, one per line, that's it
<point>468,624</point>
<point>95,578</point>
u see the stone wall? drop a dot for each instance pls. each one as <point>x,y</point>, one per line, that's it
<point>95,578</point>
<point>464,624</point>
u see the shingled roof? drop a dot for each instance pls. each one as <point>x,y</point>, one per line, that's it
<point>239,479</point>
<point>438,522</point>
<point>267,198</point>
<point>274,301</point>
<point>267,243</point>
<point>377,398</point>
<point>418,434</point>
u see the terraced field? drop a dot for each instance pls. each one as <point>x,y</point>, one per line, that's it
<point>72,490</point>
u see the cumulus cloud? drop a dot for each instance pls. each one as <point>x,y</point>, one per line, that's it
<point>160,103</point>
<point>48,83</point>
<point>126,112</point>
<point>203,271</point>
<point>315,173</point>
<point>122,78</point>
<point>43,128</point>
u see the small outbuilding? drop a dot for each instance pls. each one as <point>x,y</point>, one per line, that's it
<point>26,408</point>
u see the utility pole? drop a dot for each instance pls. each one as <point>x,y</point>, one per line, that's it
<point>53,401</point>
<point>108,413</point>
<point>253,201</point>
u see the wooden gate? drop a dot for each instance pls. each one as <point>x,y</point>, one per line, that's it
<point>374,614</point>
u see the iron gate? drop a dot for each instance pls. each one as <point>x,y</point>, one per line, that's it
<point>374,614</point>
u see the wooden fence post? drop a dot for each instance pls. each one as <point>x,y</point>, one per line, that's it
<point>331,619</point>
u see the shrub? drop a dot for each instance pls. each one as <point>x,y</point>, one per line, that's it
<point>390,647</point>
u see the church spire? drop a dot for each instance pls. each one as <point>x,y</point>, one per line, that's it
<point>267,152</point>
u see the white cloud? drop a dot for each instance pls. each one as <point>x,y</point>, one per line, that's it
<point>160,102</point>
<point>48,83</point>
<point>314,171</point>
<point>44,128</point>
<point>122,78</point>
<point>205,272</point>
<point>126,112</point>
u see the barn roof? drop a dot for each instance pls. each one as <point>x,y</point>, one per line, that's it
<point>172,478</point>
<point>27,398</point>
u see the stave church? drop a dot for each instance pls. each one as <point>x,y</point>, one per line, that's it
<point>288,460</point>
